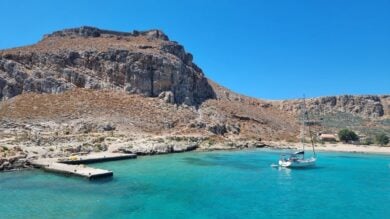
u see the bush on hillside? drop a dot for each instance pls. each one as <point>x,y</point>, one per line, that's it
<point>382,139</point>
<point>367,141</point>
<point>347,135</point>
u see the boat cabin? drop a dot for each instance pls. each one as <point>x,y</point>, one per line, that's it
<point>292,156</point>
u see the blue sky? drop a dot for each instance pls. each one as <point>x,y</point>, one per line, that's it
<point>268,49</point>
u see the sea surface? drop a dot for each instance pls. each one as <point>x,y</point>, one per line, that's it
<point>235,184</point>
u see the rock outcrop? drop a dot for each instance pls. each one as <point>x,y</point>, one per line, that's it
<point>13,159</point>
<point>366,106</point>
<point>141,62</point>
<point>179,144</point>
<point>161,145</point>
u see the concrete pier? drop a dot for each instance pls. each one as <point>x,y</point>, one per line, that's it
<point>95,158</point>
<point>74,165</point>
<point>78,170</point>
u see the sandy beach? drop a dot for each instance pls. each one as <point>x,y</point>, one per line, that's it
<point>335,147</point>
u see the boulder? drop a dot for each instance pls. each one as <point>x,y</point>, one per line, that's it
<point>167,96</point>
<point>106,127</point>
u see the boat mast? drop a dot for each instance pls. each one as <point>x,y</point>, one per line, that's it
<point>306,119</point>
<point>312,142</point>
<point>303,118</point>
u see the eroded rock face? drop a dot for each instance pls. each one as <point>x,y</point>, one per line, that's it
<point>86,31</point>
<point>368,106</point>
<point>143,63</point>
<point>161,146</point>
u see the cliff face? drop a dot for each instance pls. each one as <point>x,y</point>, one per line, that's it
<point>145,63</point>
<point>365,106</point>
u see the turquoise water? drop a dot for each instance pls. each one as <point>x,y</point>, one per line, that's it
<point>238,184</point>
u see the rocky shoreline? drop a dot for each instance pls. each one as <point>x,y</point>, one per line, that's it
<point>331,147</point>
<point>18,158</point>
<point>15,158</point>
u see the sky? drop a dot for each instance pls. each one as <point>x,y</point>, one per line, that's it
<point>271,49</point>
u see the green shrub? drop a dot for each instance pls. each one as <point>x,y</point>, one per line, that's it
<point>382,139</point>
<point>347,135</point>
<point>368,141</point>
<point>211,142</point>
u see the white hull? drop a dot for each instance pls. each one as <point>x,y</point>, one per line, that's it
<point>298,162</point>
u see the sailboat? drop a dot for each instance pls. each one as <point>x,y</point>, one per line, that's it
<point>298,159</point>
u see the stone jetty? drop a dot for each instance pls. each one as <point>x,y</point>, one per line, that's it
<point>74,165</point>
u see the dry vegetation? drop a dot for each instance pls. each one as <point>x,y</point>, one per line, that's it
<point>134,114</point>
<point>55,45</point>
<point>127,111</point>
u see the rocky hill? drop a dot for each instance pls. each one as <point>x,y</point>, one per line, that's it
<point>145,63</point>
<point>86,89</point>
<point>366,106</point>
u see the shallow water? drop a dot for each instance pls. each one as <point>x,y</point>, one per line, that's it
<point>238,184</point>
